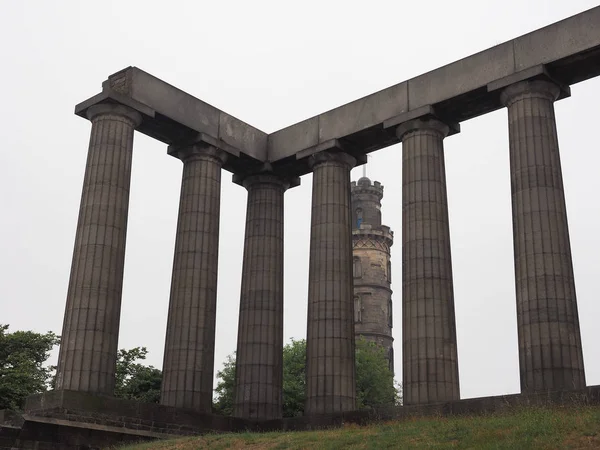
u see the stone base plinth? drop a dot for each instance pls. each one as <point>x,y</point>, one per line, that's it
<point>62,420</point>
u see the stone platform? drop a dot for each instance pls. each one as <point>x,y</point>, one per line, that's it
<point>61,420</point>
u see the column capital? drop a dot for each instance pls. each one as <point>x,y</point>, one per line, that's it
<point>198,151</point>
<point>265,174</point>
<point>267,178</point>
<point>537,88</point>
<point>339,158</point>
<point>102,109</point>
<point>423,124</point>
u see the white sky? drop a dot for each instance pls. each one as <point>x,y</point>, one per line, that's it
<point>273,63</point>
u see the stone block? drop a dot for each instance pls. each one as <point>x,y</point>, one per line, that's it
<point>10,418</point>
<point>560,40</point>
<point>174,103</point>
<point>462,76</point>
<point>247,139</point>
<point>363,113</point>
<point>288,141</point>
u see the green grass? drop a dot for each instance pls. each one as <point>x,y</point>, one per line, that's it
<point>525,428</point>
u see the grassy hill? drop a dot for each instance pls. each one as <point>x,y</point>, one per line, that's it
<point>525,428</point>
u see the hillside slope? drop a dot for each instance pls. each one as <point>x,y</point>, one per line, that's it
<point>544,428</point>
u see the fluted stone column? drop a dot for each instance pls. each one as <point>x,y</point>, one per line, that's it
<point>88,351</point>
<point>430,362</point>
<point>550,354</point>
<point>259,356</point>
<point>330,371</point>
<point>189,347</point>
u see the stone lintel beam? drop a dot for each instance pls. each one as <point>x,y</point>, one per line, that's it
<point>458,91</point>
<point>570,49</point>
<point>180,116</point>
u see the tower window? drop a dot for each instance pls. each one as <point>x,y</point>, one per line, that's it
<point>389,272</point>
<point>359,217</point>
<point>357,309</point>
<point>357,267</point>
<point>390,315</point>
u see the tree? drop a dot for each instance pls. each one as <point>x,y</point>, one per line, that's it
<point>134,381</point>
<point>374,380</point>
<point>22,371</point>
<point>294,378</point>
<point>225,387</point>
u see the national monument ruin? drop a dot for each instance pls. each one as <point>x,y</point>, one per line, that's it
<point>525,75</point>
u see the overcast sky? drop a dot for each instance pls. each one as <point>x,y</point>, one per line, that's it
<point>274,63</point>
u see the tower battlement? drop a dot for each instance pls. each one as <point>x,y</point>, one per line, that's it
<point>364,186</point>
<point>366,203</point>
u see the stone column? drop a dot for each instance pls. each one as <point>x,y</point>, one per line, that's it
<point>430,362</point>
<point>259,356</point>
<point>330,371</point>
<point>88,351</point>
<point>190,342</point>
<point>550,354</point>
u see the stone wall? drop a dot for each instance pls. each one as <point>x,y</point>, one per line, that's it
<point>72,420</point>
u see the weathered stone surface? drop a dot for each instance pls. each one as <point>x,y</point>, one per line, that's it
<point>550,353</point>
<point>303,134</point>
<point>430,362</point>
<point>570,49</point>
<point>363,113</point>
<point>88,351</point>
<point>573,35</point>
<point>462,76</point>
<point>330,335</point>
<point>187,110</point>
<point>259,356</point>
<point>189,348</point>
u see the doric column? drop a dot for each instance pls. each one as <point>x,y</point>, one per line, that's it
<point>550,355</point>
<point>330,367</point>
<point>259,356</point>
<point>88,351</point>
<point>430,362</point>
<point>190,342</point>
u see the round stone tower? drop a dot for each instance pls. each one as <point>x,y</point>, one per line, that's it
<point>371,243</point>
